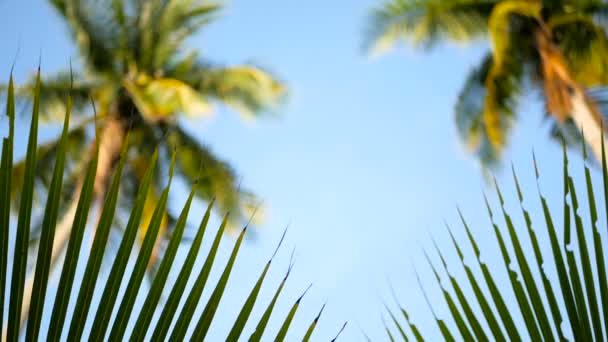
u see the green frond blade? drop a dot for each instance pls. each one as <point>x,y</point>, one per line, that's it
<point>425,23</point>
<point>461,324</point>
<point>445,332</point>
<point>247,89</point>
<point>23,225</point>
<point>586,265</point>
<point>488,315</point>
<point>102,233</point>
<point>573,269</point>
<point>388,331</point>
<point>503,311</point>
<point>598,250</point>
<point>516,285</point>
<point>239,324</point>
<point>68,272</point>
<point>143,321</point>
<point>471,108</point>
<point>257,334</point>
<point>128,301</point>
<point>287,322</point>
<point>396,322</point>
<point>200,331</point>
<point>529,282</point>
<point>405,315</point>
<point>339,332</point>
<point>464,302</point>
<point>243,316</point>
<point>185,317</point>
<point>545,286</point>
<point>312,326</point>
<point>45,247</point>
<point>6,166</point>
<point>413,327</point>
<point>110,291</point>
<point>562,273</point>
<point>166,316</point>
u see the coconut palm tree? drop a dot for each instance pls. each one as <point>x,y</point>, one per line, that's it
<point>557,46</point>
<point>141,78</point>
<point>175,320</point>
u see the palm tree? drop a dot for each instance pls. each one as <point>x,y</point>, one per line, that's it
<point>68,290</point>
<point>558,46</point>
<point>561,291</point>
<point>141,79</point>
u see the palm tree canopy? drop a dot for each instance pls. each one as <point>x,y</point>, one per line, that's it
<point>135,66</point>
<point>578,28</point>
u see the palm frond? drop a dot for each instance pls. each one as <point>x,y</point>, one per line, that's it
<point>503,77</point>
<point>54,91</point>
<point>178,20</point>
<point>575,306</point>
<point>83,292</point>
<point>23,222</point>
<point>472,107</point>
<point>426,22</point>
<point>92,26</point>
<point>160,98</point>
<point>46,154</point>
<point>6,163</point>
<point>51,213</point>
<point>247,89</point>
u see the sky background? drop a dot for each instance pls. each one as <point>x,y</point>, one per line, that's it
<point>363,159</point>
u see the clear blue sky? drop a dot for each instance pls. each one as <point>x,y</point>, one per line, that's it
<point>364,159</point>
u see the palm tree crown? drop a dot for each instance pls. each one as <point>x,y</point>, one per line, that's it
<point>557,46</point>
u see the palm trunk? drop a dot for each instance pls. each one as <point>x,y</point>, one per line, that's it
<point>566,98</point>
<point>110,144</point>
<point>584,118</point>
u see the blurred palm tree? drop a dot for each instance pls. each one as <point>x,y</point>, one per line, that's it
<point>557,46</point>
<point>141,78</point>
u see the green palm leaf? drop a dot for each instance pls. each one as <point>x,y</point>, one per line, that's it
<point>581,274</point>
<point>290,315</point>
<point>54,91</point>
<point>246,89</point>
<point>84,291</point>
<point>487,139</point>
<point>5,195</point>
<point>45,249</point>
<point>23,224</point>
<point>85,295</point>
<point>168,312</point>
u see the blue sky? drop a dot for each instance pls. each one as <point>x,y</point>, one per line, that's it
<point>363,159</point>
